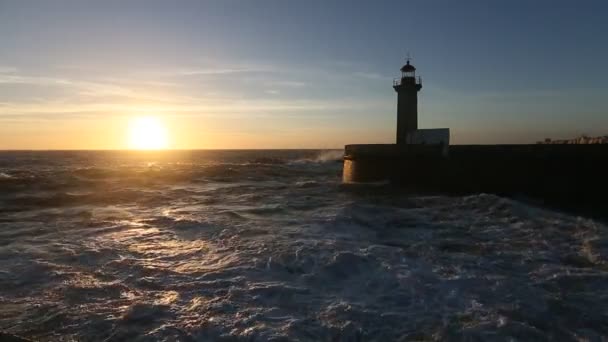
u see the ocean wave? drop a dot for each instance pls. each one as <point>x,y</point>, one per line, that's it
<point>228,249</point>
<point>330,156</point>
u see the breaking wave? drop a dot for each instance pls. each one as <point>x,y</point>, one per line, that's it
<point>227,245</point>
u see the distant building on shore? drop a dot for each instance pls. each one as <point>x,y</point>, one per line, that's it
<point>582,140</point>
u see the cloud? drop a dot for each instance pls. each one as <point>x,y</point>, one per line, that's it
<point>7,69</point>
<point>17,79</point>
<point>149,92</point>
<point>209,71</point>
<point>201,106</point>
<point>115,88</point>
<point>194,72</point>
<point>287,84</point>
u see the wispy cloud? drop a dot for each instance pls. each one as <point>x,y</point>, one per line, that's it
<point>208,71</point>
<point>287,84</point>
<point>153,92</point>
<point>7,69</point>
<point>200,107</point>
<point>85,88</point>
<point>194,72</point>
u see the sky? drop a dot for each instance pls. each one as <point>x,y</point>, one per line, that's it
<point>298,74</point>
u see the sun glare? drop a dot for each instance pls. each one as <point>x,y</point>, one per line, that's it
<point>147,133</point>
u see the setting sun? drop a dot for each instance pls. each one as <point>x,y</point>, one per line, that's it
<point>147,133</point>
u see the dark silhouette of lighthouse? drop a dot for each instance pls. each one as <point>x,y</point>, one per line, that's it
<point>407,88</point>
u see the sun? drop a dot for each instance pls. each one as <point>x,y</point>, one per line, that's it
<point>147,133</point>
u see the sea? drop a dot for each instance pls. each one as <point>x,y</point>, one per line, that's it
<point>271,246</point>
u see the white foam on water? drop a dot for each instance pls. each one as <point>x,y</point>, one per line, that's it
<point>271,252</point>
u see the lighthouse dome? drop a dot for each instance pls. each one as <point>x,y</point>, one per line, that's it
<point>408,67</point>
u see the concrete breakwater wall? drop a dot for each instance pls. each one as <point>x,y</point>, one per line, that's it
<point>565,175</point>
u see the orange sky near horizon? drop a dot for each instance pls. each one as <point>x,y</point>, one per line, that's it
<point>112,133</point>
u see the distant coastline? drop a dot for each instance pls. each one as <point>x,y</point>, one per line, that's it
<point>582,140</point>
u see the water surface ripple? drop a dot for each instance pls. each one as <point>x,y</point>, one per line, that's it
<point>269,246</point>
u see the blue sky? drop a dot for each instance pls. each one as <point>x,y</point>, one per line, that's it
<point>264,74</point>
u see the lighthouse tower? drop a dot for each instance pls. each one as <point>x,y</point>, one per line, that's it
<point>407,88</point>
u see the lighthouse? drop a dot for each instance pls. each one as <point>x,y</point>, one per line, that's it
<point>407,88</point>
<point>418,154</point>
